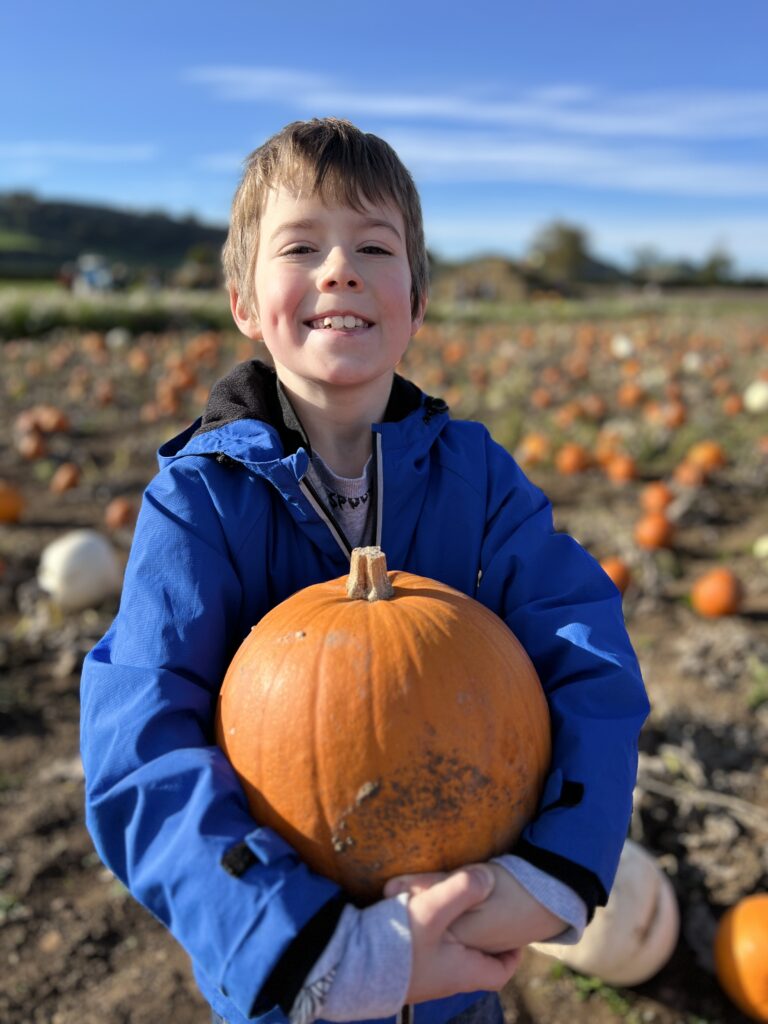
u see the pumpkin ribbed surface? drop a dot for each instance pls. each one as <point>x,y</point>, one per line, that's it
<point>741,960</point>
<point>389,736</point>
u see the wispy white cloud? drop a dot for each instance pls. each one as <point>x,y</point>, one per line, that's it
<point>40,152</point>
<point>466,157</point>
<point>661,170</point>
<point>247,83</point>
<point>564,108</point>
<point>224,163</point>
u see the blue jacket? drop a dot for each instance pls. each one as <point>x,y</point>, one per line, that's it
<point>229,528</point>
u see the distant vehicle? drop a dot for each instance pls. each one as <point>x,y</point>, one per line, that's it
<point>92,274</point>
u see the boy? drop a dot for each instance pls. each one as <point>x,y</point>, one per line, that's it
<point>285,473</point>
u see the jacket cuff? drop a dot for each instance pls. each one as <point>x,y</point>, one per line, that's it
<point>580,879</point>
<point>301,954</point>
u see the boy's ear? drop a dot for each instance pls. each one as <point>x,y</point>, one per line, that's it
<point>246,319</point>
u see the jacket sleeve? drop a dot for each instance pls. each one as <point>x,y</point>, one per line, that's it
<point>163,805</point>
<point>568,616</point>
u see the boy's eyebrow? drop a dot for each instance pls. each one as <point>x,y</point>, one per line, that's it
<point>378,222</point>
<point>308,224</point>
<point>293,225</point>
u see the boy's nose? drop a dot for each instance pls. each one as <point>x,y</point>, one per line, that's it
<point>338,271</point>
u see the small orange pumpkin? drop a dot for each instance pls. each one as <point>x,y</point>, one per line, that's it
<point>66,477</point>
<point>656,496</point>
<point>617,571</point>
<point>733,405</point>
<point>630,395</point>
<point>31,446</point>
<point>653,531</point>
<point>621,468</point>
<point>572,458</point>
<point>688,474</point>
<point>533,449</point>
<point>119,513</point>
<point>385,723</point>
<point>707,455</point>
<point>11,503</point>
<point>741,962</point>
<point>718,592</point>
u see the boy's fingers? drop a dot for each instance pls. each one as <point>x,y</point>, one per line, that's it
<point>441,904</point>
<point>412,883</point>
<point>497,970</point>
<point>510,960</point>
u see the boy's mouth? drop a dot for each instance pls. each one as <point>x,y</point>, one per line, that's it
<point>337,322</point>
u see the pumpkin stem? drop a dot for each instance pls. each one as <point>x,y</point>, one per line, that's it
<point>368,579</point>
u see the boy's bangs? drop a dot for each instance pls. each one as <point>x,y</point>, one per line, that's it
<point>337,183</point>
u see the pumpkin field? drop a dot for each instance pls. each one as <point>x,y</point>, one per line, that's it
<point>648,430</point>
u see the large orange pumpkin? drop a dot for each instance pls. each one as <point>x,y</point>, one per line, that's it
<point>741,961</point>
<point>385,723</point>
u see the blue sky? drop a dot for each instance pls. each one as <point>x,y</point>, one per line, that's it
<point>645,123</point>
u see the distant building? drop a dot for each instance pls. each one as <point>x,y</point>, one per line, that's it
<point>486,279</point>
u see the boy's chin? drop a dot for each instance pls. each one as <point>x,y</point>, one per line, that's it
<point>335,375</point>
<point>343,377</point>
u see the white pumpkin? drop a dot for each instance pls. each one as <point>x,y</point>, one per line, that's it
<point>622,346</point>
<point>633,937</point>
<point>756,396</point>
<point>79,570</point>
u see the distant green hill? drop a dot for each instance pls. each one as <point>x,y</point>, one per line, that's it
<point>37,236</point>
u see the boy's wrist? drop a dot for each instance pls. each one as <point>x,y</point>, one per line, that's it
<point>563,903</point>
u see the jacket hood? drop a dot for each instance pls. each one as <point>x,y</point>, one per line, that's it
<point>249,419</point>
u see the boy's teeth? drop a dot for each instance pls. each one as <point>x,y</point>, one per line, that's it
<point>338,322</point>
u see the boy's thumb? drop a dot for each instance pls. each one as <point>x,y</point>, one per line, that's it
<point>459,892</point>
<point>483,878</point>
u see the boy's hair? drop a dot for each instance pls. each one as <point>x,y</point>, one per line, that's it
<point>331,158</point>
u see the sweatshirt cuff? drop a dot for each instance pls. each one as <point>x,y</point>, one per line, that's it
<point>583,881</point>
<point>365,970</point>
<point>558,898</point>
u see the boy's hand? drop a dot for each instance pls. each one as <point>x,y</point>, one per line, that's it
<point>442,964</point>
<point>508,919</point>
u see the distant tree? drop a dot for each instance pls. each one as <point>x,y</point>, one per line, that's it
<point>204,254</point>
<point>560,251</point>
<point>16,208</point>
<point>717,268</point>
<point>647,263</point>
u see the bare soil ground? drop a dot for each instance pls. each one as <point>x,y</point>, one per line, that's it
<point>74,946</point>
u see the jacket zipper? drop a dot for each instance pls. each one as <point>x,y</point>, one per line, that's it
<point>327,516</point>
<point>378,472</point>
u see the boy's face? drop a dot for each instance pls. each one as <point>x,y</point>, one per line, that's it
<point>316,262</point>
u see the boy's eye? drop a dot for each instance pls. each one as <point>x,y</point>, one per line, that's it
<point>298,250</point>
<point>375,250</point>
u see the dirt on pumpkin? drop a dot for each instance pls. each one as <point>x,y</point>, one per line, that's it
<point>75,948</point>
